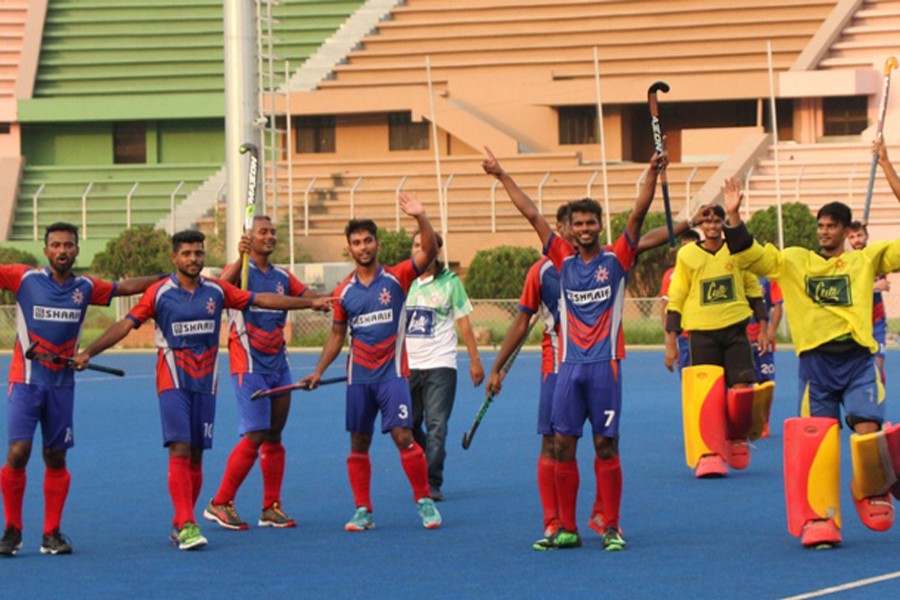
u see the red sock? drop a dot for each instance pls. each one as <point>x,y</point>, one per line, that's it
<point>12,482</point>
<point>271,461</point>
<point>567,492</point>
<point>181,490</point>
<point>359,468</point>
<point>546,479</point>
<point>56,488</point>
<point>598,500</point>
<point>609,486</point>
<point>240,461</point>
<point>416,468</point>
<point>196,480</point>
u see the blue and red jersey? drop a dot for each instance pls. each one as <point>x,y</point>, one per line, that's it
<point>187,330</point>
<point>772,297</point>
<point>593,298</point>
<point>51,314</point>
<point>256,335</point>
<point>879,318</point>
<point>541,293</point>
<point>375,315</point>
<point>664,292</point>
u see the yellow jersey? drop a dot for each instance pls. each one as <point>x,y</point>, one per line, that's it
<point>709,289</point>
<point>825,298</point>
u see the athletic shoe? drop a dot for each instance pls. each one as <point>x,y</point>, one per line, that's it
<point>551,528</point>
<point>190,537</point>
<point>560,540</point>
<point>11,541</point>
<point>56,543</point>
<point>613,540</point>
<point>821,534</point>
<point>431,518</point>
<point>546,542</point>
<point>362,520</point>
<point>876,512</point>
<point>275,517</point>
<point>436,494</point>
<point>596,522</point>
<point>739,453</point>
<point>224,515</point>
<point>710,466</point>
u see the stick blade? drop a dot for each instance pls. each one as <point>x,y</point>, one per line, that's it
<point>29,353</point>
<point>466,441</point>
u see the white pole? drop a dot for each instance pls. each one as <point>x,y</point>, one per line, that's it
<point>397,191</point>
<point>306,192</point>
<point>437,157</point>
<point>602,147</point>
<point>172,207</point>
<point>84,199</point>
<point>290,159</point>
<point>775,145</point>
<point>128,204</point>
<point>34,209</point>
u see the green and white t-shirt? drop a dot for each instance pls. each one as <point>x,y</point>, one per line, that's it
<point>433,304</point>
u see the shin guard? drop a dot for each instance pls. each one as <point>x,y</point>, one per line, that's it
<point>876,457</point>
<point>763,393</point>
<point>703,409</point>
<point>811,471</point>
<point>739,420</point>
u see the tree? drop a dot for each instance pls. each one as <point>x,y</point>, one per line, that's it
<point>138,251</point>
<point>396,246</point>
<point>499,272</point>
<point>10,256</point>
<point>645,277</point>
<point>799,226</point>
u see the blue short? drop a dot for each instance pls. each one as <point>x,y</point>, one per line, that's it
<point>879,332</point>
<point>588,391</point>
<point>851,379</point>
<point>545,406</point>
<point>187,417</point>
<point>52,406</point>
<point>256,415</point>
<point>366,400</point>
<point>684,352</point>
<point>765,366</point>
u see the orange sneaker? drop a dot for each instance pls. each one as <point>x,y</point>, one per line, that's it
<point>739,450</point>
<point>551,528</point>
<point>821,534</point>
<point>876,512</point>
<point>710,466</point>
<point>596,522</point>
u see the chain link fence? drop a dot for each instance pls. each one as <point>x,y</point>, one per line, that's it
<point>490,319</point>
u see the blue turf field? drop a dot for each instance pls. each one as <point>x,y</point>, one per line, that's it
<point>687,538</point>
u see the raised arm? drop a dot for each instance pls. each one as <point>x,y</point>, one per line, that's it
<point>134,285</point>
<point>411,206</point>
<point>330,351</point>
<point>644,199</point>
<point>519,198</point>
<point>232,272</point>
<point>514,336</point>
<point>764,261</point>
<point>889,172</point>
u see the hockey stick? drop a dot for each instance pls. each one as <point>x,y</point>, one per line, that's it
<point>52,357</point>
<point>661,86</point>
<point>250,209</point>
<point>889,64</point>
<point>294,386</point>
<point>467,436</point>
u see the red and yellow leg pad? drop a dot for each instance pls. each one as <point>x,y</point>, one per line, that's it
<point>763,393</point>
<point>812,453</point>
<point>703,409</point>
<point>739,419</point>
<point>875,467</point>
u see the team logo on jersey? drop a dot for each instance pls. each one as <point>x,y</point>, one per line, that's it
<point>830,290</point>
<point>717,290</point>
<point>384,297</point>
<point>50,313</point>
<point>279,289</point>
<point>78,297</point>
<point>194,327</point>
<point>589,296</point>
<point>211,306</point>
<point>420,322</point>
<point>373,318</point>
<point>602,274</point>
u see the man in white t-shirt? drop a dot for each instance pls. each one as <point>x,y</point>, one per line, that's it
<point>436,301</point>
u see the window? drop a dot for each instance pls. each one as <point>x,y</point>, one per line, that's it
<point>5,128</point>
<point>406,135</point>
<point>315,135</point>
<point>577,125</point>
<point>845,116</point>
<point>129,143</point>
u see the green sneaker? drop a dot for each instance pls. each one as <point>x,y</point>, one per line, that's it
<point>565,539</point>
<point>431,518</point>
<point>190,537</point>
<point>225,516</point>
<point>362,520</point>
<point>275,517</point>
<point>613,540</point>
